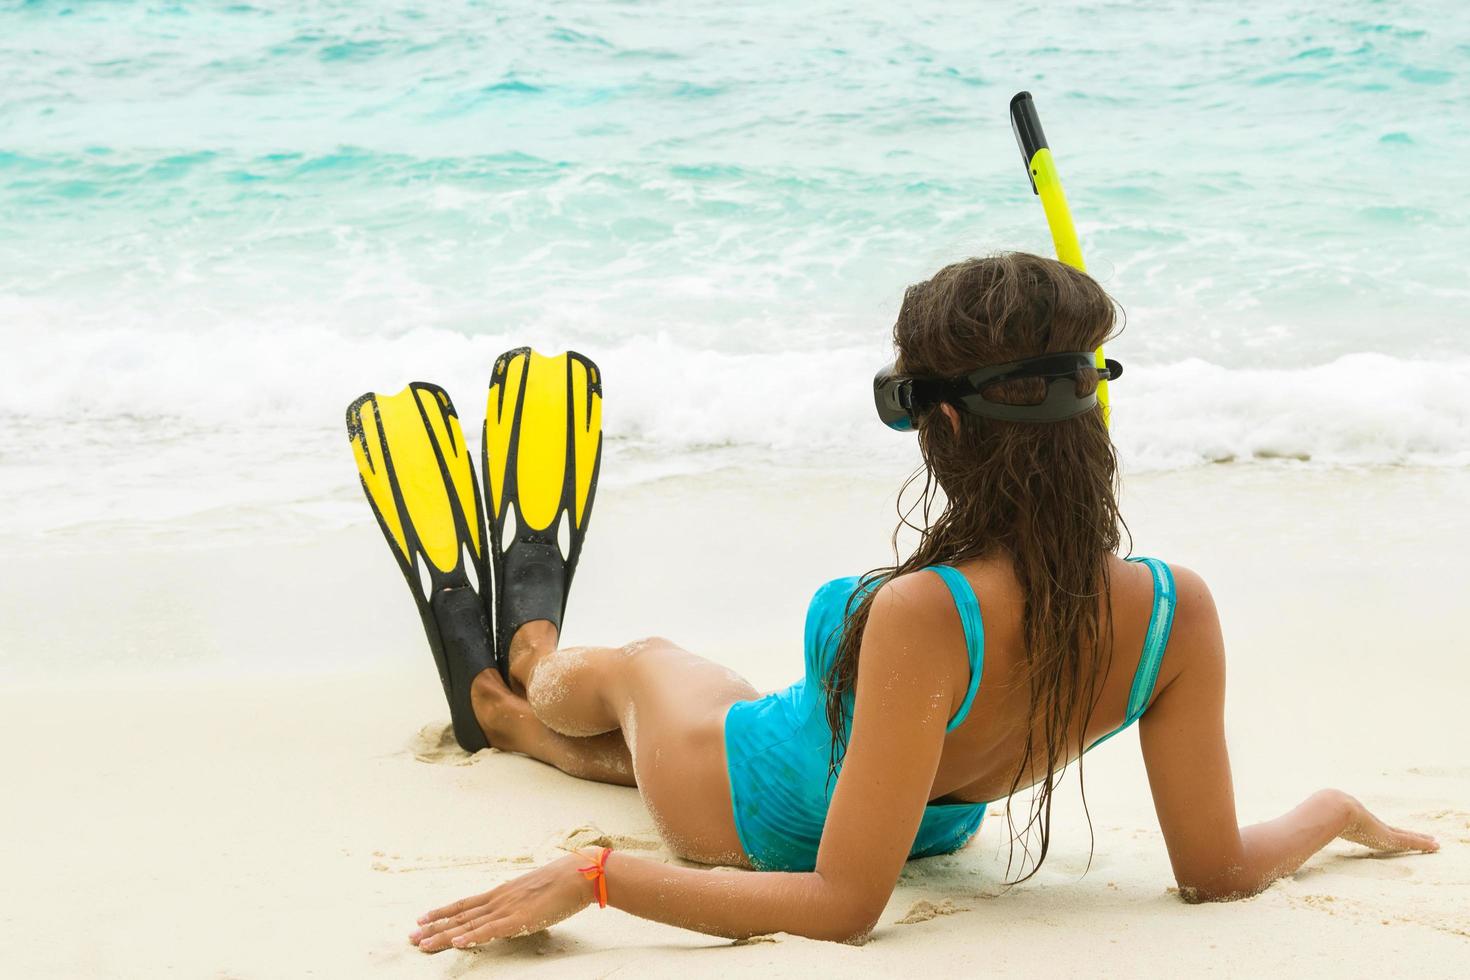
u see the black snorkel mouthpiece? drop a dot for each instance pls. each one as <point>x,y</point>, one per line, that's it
<point>1026,124</point>
<point>900,399</point>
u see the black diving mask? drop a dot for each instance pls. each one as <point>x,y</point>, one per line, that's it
<point>900,399</point>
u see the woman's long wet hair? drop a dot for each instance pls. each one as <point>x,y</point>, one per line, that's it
<point>1042,496</point>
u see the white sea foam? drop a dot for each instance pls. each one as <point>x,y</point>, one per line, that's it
<point>668,399</point>
<point>1359,409</point>
<point>114,425</point>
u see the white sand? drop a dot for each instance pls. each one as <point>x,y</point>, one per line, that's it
<point>198,818</point>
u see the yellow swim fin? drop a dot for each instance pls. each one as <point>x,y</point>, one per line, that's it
<point>541,452</point>
<point>419,478</point>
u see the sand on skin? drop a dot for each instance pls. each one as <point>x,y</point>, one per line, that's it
<point>208,821</point>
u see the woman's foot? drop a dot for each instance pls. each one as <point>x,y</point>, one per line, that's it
<point>500,708</point>
<point>510,725</point>
<point>502,715</point>
<point>532,642</point>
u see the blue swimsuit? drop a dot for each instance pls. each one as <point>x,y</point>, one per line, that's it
<point>778,746</point>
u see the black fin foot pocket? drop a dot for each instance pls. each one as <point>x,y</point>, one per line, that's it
<point>465,637</point>
<point>535,588</point>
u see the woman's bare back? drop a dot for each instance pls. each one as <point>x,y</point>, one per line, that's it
<point>982,756</point>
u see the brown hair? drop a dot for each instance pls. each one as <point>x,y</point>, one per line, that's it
<point>1041,495</point>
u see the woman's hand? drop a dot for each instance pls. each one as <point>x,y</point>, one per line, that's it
<point>1366,829</point>
<point>530,903</point>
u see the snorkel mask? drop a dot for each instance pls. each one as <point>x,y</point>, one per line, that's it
<point>900,399</point>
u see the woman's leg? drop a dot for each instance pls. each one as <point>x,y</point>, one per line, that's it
<point>661,705</point>
<point>509,723</point>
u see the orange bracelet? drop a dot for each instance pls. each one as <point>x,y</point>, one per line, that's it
<point>597,872</point>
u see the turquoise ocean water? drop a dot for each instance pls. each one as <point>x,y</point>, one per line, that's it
<point>221,222</point>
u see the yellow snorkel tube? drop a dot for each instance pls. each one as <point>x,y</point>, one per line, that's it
<point>1041,170</point>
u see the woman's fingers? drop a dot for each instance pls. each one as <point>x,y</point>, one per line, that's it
<point>452,923</point>
<point>447,937</point>
<point>463,905</point>
<point>497,927</point>
<point>1397,839</point>
<point>439,926</point>
<point>1372,832</point>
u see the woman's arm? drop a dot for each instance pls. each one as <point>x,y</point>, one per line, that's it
<point>913,665</point>
<point>1183,737</point>
<point>735,904</point>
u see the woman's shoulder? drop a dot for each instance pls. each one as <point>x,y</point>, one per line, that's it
<point>934,589</point>
<point>1194,634</point>
<point>934,599</point>
<point>1196,619</point>
<point>915,625</point>
<point>1194,604</point>
<point>1191,594</point>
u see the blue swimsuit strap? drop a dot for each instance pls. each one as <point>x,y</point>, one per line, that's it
<point>1160,622</point>
<point>969,609</point>
<point>1155,640</point>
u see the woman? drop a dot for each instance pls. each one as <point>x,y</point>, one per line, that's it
<point>1011,641</point>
